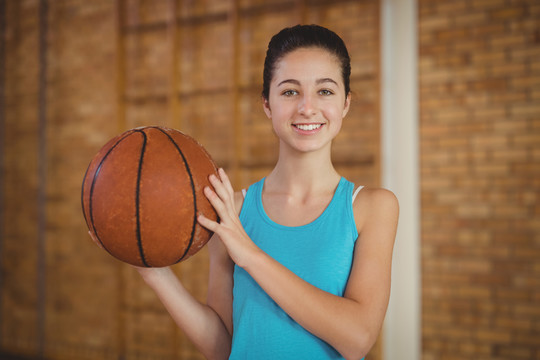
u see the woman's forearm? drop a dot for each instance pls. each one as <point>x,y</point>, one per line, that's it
<point>337,320</point>
<point>201,324</point>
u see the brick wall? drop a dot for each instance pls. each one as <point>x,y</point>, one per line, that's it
<point>19,296</point>
<point>114,65</point>
<point>479,79</point>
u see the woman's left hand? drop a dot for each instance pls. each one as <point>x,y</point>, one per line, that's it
<point>229,228</point>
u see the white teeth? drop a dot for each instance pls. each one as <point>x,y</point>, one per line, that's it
<point>308,127</point>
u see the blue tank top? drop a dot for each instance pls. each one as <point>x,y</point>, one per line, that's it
<point>320,252</point>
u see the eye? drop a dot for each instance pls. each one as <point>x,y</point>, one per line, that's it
<point>289,93</point>
<point>326,92</point>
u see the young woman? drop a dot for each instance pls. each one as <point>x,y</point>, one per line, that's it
<point>300,262</point>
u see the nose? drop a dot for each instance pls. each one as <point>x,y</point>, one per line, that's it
<point>307,106</point>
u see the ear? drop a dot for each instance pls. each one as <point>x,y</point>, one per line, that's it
<point>347,105</point>
<point>266,107</point>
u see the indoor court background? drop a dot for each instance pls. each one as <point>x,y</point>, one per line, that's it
<point>74,73</point>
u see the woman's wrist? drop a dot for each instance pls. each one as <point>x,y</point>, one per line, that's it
<point>253,258</point>
<point>152,276</point>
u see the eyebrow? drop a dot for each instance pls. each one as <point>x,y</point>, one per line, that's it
<point>318,81</point>
<point>325,80</point>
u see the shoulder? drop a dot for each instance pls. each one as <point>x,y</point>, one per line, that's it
<point>376,195</point>
<point>375,205</point>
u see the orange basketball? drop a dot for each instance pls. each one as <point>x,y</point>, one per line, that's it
<point>141,195</point>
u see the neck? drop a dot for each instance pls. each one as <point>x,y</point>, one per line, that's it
<point>303,172</point>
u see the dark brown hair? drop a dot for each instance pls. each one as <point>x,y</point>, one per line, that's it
<point>305,36</point>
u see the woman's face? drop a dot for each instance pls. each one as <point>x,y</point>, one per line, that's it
<point>307,99</point>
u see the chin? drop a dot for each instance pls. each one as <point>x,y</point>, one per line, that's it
<point>310,148</point>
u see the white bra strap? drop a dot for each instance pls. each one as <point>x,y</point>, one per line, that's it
<point>356,192</point>
<point>244,191</point>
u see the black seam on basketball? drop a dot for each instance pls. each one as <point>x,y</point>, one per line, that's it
<point>82,197</point>
<point>94,179</point>
<point>137,199</point>
<point>192,190</point>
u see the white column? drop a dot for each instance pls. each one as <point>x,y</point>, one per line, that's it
<point>400,142</point>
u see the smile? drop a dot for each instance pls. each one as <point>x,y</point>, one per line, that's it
<point>308,127</point>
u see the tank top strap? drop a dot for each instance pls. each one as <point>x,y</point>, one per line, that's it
<point>250,197</point>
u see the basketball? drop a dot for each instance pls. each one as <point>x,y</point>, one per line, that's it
<point>142,193</point>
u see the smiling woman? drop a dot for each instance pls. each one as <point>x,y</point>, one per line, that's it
<point>300,262</point>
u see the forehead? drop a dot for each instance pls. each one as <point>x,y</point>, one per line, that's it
<point>308,62</point>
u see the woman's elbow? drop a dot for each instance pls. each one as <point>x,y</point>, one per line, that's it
<point>359,345</point>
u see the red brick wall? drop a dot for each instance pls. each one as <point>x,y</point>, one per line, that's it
<point>479,68</point>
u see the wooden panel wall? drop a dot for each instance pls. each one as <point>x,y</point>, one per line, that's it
<point>19,276</point>
<point>113,65</point>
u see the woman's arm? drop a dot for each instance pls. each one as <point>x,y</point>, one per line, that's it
<point>209,326</point>
<point>350,323</point>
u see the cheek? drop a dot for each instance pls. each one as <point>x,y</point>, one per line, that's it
<point>334,113</point>
<point>279,119</point>
<point>338,124</point>
<point>281,111</point>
